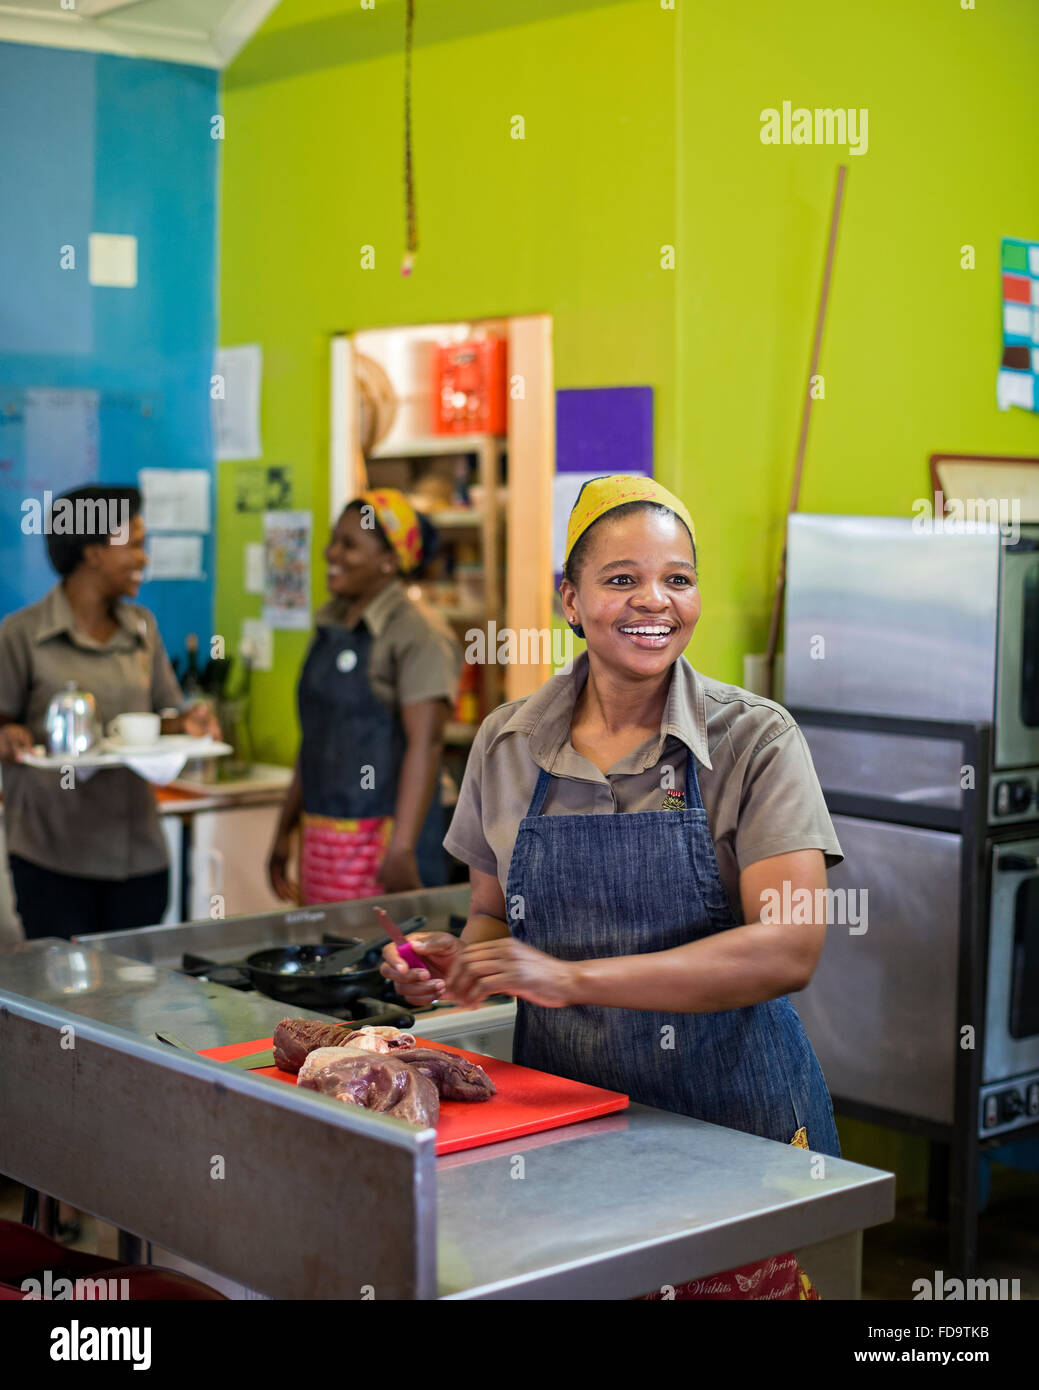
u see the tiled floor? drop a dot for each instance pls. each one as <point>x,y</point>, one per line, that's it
<point>910,1247</point>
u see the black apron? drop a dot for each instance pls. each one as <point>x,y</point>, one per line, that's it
<point>353,746</point>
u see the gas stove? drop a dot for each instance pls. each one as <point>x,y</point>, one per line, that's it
<point>383,1008</point>
<point>216,944</point>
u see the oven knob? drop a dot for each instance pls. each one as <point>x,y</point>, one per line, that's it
<point>1033,1098</point>
<point>991,1111</point>
<point>1012,1105</point>
<point>1002,798</point>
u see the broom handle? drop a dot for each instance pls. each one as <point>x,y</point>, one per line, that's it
<point>806,416</point>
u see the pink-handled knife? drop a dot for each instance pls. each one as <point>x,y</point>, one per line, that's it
<point>407,953</point>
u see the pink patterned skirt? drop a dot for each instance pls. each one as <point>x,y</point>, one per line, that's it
<point>340,859</point>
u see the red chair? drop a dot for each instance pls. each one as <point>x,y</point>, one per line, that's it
<point>26,1254</point>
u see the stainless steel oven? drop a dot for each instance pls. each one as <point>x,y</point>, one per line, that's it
<point>1012,1006</point>
<point>1017,663</point>
<point>886,619</point>
<point>912,666</point>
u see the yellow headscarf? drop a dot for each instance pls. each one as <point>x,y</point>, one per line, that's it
<point>399,519</point>
<point>601,495</point>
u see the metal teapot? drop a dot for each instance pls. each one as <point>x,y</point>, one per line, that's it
<point>72,723</point>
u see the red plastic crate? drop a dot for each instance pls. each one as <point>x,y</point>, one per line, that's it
<point>469,385</point>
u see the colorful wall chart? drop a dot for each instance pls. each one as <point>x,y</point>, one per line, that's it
<point>1020,366</point>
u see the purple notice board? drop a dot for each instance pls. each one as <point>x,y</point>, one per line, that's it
<point>605,429</point>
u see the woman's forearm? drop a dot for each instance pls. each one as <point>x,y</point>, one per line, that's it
<point>419,770</point>
<point>292,807</point>
<point>728,970</point>
<point>482,927</point>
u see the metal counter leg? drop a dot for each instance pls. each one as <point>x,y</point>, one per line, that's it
<point>834,1266</point>
<point>131,1249</point>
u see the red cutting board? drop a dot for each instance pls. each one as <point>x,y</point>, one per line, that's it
<point>527,1100</point>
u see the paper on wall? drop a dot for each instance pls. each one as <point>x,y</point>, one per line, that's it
<point>254,568</point>
<point>236,414</point>
<point>1015,388</point>
<point>60,440</point>
<point>175,557</point>
<point>260,641</point>
<point>175,499</point>
<point>286,581</point>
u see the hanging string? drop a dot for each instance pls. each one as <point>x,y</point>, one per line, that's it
<point>409,174</point>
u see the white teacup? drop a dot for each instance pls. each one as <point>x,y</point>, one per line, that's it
<point>135,730</point>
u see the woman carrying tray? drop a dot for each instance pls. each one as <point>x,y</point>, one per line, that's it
<point>87,855</point>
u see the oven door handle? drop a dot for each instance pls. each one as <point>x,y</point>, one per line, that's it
<point>1017,864</point>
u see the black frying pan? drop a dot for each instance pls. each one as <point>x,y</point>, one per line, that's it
<point>320,976</point>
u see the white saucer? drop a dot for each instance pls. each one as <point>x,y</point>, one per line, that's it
<point>166,743</point>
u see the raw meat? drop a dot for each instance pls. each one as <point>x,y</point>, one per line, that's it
<point>294,1038</point>
<point>376,1082</point>
<point>455,1078</point>
<point>381,1039</point>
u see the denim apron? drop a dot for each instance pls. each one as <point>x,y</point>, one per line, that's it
<point>346,728</point>
<point>595,886</point>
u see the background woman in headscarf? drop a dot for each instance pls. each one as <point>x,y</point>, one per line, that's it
<point>376,690</point>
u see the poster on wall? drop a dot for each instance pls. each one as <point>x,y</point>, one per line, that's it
<point>1019,370</point>
<point>175,499</point>
<point>286,570</point>
<point>258,488</point>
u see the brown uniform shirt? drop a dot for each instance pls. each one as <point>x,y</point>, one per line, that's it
<point>757,781</point>
<point>414,654</point>
<point>106,826</point>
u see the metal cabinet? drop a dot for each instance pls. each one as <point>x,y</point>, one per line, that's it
<point>228,861</point>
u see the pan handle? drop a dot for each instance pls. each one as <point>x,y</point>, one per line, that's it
<point>382,1016</point>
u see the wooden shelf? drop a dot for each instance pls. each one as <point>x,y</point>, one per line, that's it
<point>507,536</point>
<point>460,615</point>
<point>431,445</point>
<point>461,518</point>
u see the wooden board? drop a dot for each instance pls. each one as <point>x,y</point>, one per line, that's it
<point>527,1102</point>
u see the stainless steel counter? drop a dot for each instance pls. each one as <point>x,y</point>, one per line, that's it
<point>607,1209</point>
<point>623,1205</point>
<point>144,999</point>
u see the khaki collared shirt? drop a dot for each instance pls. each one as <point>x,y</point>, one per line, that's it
<point>106,826</point>
<point>414,654</point>
<point>756,778</point>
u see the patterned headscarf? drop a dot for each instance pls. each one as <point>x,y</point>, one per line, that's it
<point>601,495</point>
<point>399,519</point>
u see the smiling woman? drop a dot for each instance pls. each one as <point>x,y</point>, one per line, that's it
<point>374,696</point>
<point>625,827</point>
<point>86,853</point>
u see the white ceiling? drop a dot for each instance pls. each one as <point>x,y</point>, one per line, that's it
<point>207,33</point>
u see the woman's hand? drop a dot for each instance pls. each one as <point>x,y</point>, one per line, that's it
<point>15,740</point>
<point>508,966</point>
<point>277,870</point>
<point>421,987</point>
<point>398,872</point>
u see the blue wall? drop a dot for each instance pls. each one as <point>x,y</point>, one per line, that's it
<point>95,143</point>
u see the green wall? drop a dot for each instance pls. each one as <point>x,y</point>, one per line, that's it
<point>912,341</point>
<point>642,129</point>
<point>568,221</point>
